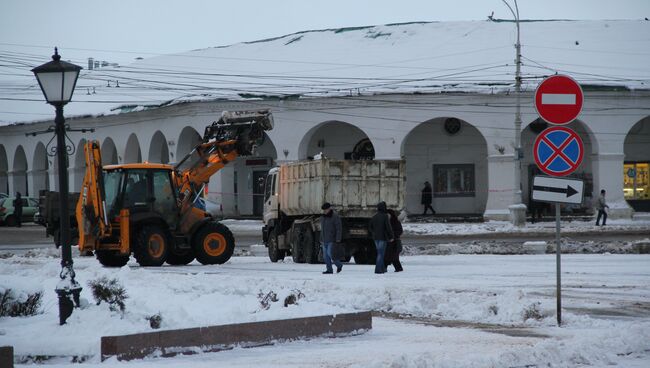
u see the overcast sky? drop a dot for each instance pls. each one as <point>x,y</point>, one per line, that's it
<point>121,30</point>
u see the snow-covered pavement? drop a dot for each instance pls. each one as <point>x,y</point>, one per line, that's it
<point>606,300</point>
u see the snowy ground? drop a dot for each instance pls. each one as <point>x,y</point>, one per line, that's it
<point>443,311</point>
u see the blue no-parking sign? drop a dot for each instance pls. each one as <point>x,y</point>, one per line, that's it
<point>558,151</point>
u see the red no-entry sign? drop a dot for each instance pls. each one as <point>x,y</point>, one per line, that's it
<point>558,99</point>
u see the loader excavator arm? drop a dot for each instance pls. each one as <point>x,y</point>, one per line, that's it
<point>91,208</point>
<point>234,134</point>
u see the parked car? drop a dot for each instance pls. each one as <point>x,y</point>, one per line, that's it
<point>7,217</point>
<point>3,195</point>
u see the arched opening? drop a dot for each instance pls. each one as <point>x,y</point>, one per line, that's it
<point>158,150</point>
<point>109,152</point>
<point>336,140</point>
<point>187,140</point>
<point>4,171</point>
<point>132,153</point>
<point>19,172</point>
<point>584,172</point>
<point>79,166</point>
<point>636,168</point>
<point>451,154</point>
<point>40,165</point>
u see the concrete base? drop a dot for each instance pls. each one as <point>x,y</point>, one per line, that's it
<point>217,338</point>
<point>7,356</point>
<point>518,214</point>
<point>496,215</point>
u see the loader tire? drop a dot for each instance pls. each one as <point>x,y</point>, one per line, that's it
<point>213,244</point>
<point>180,258</point>
<point>111,258</point>
<point>275,254</point>
<point>151,246</point>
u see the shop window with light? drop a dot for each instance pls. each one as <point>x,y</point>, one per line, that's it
<point>636,183</point>
<point>454,180</point>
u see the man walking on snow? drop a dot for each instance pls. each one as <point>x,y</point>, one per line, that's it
<point>330,234</point>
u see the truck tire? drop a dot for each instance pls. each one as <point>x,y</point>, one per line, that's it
<point>366,253</point>
<point>213,244</point>
<point>308,245</point>
<point>275,254</point>
<point>111,258</point>
<point>180,258</point>
<point>151,246</point>
<point>296,246</point>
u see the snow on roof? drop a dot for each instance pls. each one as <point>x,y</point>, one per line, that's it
<point>421,57</point>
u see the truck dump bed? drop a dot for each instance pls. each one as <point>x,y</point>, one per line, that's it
<point>352,187</point>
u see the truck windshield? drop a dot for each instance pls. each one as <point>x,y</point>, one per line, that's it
<point>112,185</point>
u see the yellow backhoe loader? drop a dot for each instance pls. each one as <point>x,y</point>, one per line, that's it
<point>149,209</point>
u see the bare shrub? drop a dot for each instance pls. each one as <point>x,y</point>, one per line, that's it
<point>109,291</point>
<point>293,297</point>
<point>15,306</point>
<point>267,299</point>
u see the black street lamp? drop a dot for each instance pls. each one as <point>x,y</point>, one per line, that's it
<point>57,80</point>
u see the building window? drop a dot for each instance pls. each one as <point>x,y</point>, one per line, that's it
<point>636,184</point>
<point>453,180</point>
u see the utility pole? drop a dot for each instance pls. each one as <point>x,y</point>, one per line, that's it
<point>518,210</point>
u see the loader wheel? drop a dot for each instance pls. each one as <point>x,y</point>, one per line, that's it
<point>180,258</point>
<point>151,246</point>
<point>213,244</point>
<point>111,258</point>
<point>275,254</point>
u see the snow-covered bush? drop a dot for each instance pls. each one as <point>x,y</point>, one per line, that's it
<point>109,291</point>
<point>155,321</point>
<point>18,304</point>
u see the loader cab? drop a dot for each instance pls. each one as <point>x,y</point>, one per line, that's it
<point>147,192</point>
<point>271,191</point>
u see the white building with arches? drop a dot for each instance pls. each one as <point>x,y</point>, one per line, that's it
<point>349,101</point>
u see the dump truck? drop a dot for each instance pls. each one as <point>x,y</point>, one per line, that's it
<point>295,192</point>
<point>151,210</point>
<point>49,215</point>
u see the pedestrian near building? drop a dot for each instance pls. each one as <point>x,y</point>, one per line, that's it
<point>330,235</point>
<point>601,205</point>
<point>394,248</point>
<point>18,209</point>
<point>382,233</point>
<point>427,198</point>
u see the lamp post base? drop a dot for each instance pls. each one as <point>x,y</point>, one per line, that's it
<point>69,292</point>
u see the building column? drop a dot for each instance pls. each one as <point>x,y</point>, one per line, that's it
<point>54,178</point>
<point>17,183</point>
<point>4,183</point>
<point>608,175</point>
<point>38,179</point>
<point>500,191</point>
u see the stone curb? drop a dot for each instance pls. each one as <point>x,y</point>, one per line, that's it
<point>216,338</point>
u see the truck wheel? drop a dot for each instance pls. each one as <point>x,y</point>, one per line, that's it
<point>180,258</point>
<point>275,254</point>
<point>366,253</point>
<point>111,258</point>
<point>296,246</point>
<point>213,244</point>
<point>309,247</point>
<point>151,246</point>
<point>57,238</point>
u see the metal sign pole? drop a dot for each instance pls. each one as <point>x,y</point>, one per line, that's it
<point>558,252</point>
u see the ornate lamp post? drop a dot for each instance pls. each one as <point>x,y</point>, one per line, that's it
<point>57,80</point>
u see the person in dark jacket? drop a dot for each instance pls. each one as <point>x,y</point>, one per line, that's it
<point>18,209</point>
<point>427,198</point>
<point>330,234</point>
<point>394,248</point>
<point>382,233</point>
